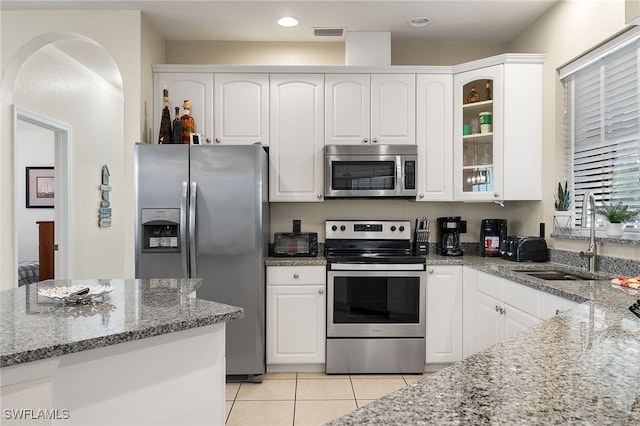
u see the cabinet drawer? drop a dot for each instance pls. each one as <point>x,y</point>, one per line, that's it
<point>490,285</point>
<point>296,275</point>
<point>522,297</point>
<point>550,304</point>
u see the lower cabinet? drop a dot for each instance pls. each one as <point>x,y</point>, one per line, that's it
<point>497,309</point>
<point>296,316</point>
<point>444,314</point>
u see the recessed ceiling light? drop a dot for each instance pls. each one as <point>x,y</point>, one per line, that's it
<point>419,21</point>
<point>287,21</point>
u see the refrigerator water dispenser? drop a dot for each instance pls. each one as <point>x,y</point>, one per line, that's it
<point>160,230</point>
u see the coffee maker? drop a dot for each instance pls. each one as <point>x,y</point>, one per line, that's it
<point>493,233</point>
<point>449,229</point>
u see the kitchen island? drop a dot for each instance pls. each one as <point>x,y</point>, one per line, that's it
<point>147,353</point>
<point>580,367</point>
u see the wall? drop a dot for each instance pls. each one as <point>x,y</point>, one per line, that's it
<point>566,31</point>
<point>120,33</point>
<point>320,53</point>
<point>35,148</point>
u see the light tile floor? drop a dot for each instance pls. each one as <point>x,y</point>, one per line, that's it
<point>298,399</point>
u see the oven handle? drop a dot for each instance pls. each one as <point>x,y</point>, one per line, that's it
<point>377,266</point>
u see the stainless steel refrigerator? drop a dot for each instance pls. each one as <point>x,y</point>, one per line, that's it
<point>202,212</point>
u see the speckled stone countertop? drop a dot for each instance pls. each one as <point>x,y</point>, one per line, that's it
<point>34,327</point>
<point>580,367</point>
<point>296,261</point>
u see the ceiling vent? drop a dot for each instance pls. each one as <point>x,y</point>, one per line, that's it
<point>328,32</point>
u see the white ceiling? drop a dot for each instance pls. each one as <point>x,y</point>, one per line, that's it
<point>495,21</point>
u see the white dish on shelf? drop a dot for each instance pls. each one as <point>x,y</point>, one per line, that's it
<point>70,293</point>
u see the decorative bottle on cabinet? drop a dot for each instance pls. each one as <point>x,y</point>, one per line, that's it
<point>165,122</point>
<point>188,123</point>
<point>177,127</point>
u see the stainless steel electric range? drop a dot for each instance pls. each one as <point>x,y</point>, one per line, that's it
<point>376,320</point>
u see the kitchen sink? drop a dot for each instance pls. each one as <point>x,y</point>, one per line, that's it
<point>555,275</point>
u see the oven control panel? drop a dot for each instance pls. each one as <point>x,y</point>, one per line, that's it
<point>368,229</point>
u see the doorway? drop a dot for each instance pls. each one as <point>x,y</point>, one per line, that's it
<point>42,141</point>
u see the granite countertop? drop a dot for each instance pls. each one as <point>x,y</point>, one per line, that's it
<point>296,261</point>
<point>34,327</point>
<point>580,367</point>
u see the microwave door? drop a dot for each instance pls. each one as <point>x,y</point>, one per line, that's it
<point>363,176</point>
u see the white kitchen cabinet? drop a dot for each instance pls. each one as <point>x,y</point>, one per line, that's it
<point>297,140</point>
<point>434,136</point>
<point>296,316</point>
<point>505,162</point>
<point>444,314</point>
<point>370,108</point>
<point>197,88</point>
<point>503,309</point>
<point>241,109</point>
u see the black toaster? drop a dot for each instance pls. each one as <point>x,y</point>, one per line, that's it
<point>526,249</point>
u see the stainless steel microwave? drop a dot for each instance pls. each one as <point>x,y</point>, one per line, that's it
<point>370,171</point>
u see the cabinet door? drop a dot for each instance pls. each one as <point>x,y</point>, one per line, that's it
<point>478,156</point>
<point>296,324</point>
<point>297,140</point>
<point>393,109</point>
<point>517,321</point>
<point>197,88</point>
<point>434,127</point>
<point>489,327</point>
<point>347,100</point>
<point>241,109</point>
<point>522,131</point>
<point>444,314</point>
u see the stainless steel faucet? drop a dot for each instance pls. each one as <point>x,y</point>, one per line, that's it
<point>589,203</point>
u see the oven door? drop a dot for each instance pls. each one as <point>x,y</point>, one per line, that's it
<point>376,302</point>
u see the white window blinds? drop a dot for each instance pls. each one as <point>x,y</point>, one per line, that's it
<point>602,149</point>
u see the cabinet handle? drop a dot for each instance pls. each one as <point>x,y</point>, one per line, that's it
<point>365,140</point>
<point>497,308</point>
<point>496,195</point>
<point>375,140</point>
<point>208,140</point>
<point>431,271</point>
<point>503,311</point>
<point>558,311</point>
<point>421,195</point>
<point>296,275</point>
<point>218,140</point>
<point>319,196</point>
<point>321,291</point>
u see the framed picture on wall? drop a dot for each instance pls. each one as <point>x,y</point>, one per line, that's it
<point>40,187</point>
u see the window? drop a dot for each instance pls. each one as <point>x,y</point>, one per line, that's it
<point>601,124</point>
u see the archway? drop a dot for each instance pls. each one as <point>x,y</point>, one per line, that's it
<point>33,95</point>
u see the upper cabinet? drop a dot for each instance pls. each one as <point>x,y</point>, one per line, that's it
<point>434,136</point>
<point>370,108</point>
<point>241,109</point>
<point>497,129</point>
<point>197,88</point>
<point>297,138</point>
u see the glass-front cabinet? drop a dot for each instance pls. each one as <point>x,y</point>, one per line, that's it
<point>478,136</point>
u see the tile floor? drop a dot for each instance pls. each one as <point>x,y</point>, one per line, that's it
<point>297,399</point>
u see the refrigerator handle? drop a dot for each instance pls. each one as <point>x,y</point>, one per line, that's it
<point>192,229</point>
<point>183,230</point>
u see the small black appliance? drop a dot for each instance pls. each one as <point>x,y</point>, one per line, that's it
<point>449,229</point>
<point>493,233</point>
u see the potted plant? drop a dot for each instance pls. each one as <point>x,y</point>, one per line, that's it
<point>562,214</point>
<point>617,215</point>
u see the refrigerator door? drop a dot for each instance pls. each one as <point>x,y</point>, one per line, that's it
<point>161,175</point>
<point>231,243</point>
